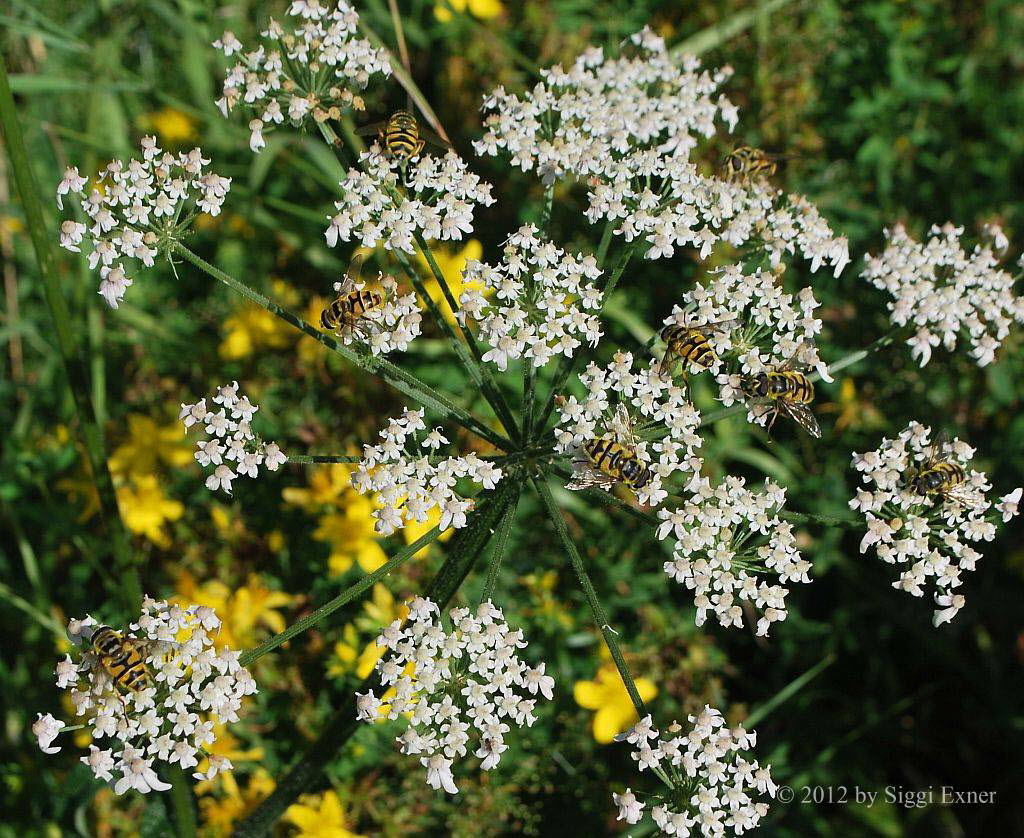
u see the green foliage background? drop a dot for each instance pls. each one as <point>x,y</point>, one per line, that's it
<point>892,111</point>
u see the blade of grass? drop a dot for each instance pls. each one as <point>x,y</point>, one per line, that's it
<point>717,34</point>
<point>128,572</point>
<point>463,551</point>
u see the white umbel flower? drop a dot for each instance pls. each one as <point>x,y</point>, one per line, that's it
<point>230,445</point>
<point>645,396</point>
<point>928,536</point>
<point>408,487</point>
<point>730,547</point>
<point>192,686</point>
<point>458,688</point>
<point>136,209</point>
<point>310,71</point>
<point>542,302</point>
<point>379,208</point>
<point>946,293</point>
<point>626,127</point>
<point>715,787</point>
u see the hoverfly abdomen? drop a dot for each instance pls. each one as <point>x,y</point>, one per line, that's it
<point>401,136</point>
<point>120,659</point>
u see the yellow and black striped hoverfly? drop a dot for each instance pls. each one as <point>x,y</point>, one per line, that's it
<point>938,477</point>
<point>743,164</point>
<point>787,389</point>
<point>612,459</point>
<point>402,137</point>
<point>348,313</point>
<point>689,343</point>
<point>120,658</point>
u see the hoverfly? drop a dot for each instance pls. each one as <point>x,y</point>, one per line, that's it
<point>348,312</point>
<point>940,478</point>
<point>744,163</point>
<point>120,658</point>
<point>788,390</point>
<point>402,137</point>
<point>689,343</point>
<point>612,459</point>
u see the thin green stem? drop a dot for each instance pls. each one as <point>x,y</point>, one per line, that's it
<point>398,378</point>
<point>183,804</point>
<point>861,354</point>
<point>498,553</point>
<point>606,240</point>
<point>130,587</point>
<point>600,618</point>
<point>815,518</point>
<point>341,599</point>
<point>483,373</point>
<point>310,459</point>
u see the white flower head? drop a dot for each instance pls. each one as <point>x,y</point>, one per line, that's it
<point>947,294</point>
<point>230,447</point>
<point>618,398</point>
<point>312,70</point>
<point>540,302</point>
<point>731,547</point>
<point>181,689</point>
<point>925,520</point>
<point>477,662</point>
<point>137,209</point>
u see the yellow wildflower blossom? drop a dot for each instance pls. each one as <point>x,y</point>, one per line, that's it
<point>319,816</point>
<point>310,351</point>
<point>219,814</point>
<point>351,535</point>
<point>483,9</point>
<point>148,445</point>
<point>145,509</point>
<point>243,611</point>
<point>607,695</point>
<point>252,328</point>
<point>171,126</point>
<point>451,264</point>
<point>414,530</point>
<point>326,485</point>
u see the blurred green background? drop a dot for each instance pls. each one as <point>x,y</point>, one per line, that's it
<point>891,111</point>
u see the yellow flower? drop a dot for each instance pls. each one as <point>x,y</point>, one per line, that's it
<point>251,328</point>
<point>326,485</point>
<point>310,350</point>
<point>351,535</point>
<point>219,814</point>
<point>319,816</point>
<point>451,265</point>
<point>171,126</point>
<point>483,9</point>
<point>607,695</point>
<point>145,508</point>
<point>378,612</point>
<point>242,610</point>
<point>149,444</point>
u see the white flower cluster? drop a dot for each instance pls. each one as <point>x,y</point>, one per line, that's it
<point>455,686</point>
<point>712,785</point>
<point>135,209</point>
<point>773,328</point>
<point>715,557</point>
<point>626,126</point>
<point>192,689</point>
<point>544,301</point>
<point>230,438</point>
<point>408,487</point>
<point>645,393</point>
<point>436,199</point>
<point>929,535</point>
<point>308,71</point>
<point>389,327</point>
<point>945,292</point>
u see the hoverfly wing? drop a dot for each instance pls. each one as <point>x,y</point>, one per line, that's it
<point>589,478</point>
<point>623,426</point>
<point>802,415</point>
<point>371,130</point>
<point>434,139</point>
<point>722,327</point>
<point>355,267</point>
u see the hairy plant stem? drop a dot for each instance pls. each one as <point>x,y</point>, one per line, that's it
<point>600,618</point>
<point>130,588</point>
<point>310,459</point>
<point>498,553</point>
<point>463,551</point>
<point>346,596</point>
<point>183,803</point>
<point>815,518</point>
<point>395,376</point>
